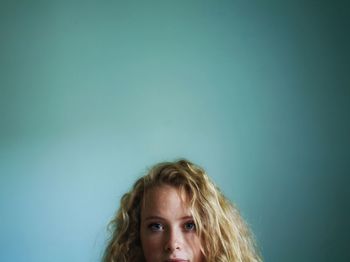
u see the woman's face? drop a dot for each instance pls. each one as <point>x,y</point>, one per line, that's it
<point>168,232</point>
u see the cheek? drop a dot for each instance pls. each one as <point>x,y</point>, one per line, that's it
<point>193,245</point>
<point>152,246</point>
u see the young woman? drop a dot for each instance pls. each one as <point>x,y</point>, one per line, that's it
<point>175,213</point>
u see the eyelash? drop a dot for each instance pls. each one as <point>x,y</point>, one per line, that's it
<point>157,227</point>
<point>193,226</point>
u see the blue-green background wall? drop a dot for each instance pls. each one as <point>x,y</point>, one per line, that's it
<point>93,92</point>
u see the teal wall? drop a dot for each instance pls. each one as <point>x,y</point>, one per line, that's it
<point>93,92</point>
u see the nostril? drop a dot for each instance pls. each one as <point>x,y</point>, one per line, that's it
<point>172,245</point>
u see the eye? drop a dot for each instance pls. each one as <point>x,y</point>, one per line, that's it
<point>155,227</point>
<point>190,226</point>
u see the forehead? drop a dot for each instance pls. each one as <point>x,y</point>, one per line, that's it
<point>166,201</point>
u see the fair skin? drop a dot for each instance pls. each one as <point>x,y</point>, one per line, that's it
<point>168,232</point>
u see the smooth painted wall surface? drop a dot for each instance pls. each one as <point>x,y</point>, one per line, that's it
<point>94,92</point>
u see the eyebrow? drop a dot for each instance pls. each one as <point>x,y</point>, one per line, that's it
<point>161,218</point>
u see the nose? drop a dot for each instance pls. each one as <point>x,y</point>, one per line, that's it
<point>173,241</point>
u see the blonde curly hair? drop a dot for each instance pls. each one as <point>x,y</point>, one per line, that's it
<point>224,235</point>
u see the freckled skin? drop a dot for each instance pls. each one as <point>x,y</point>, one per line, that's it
<point>167,227</point>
